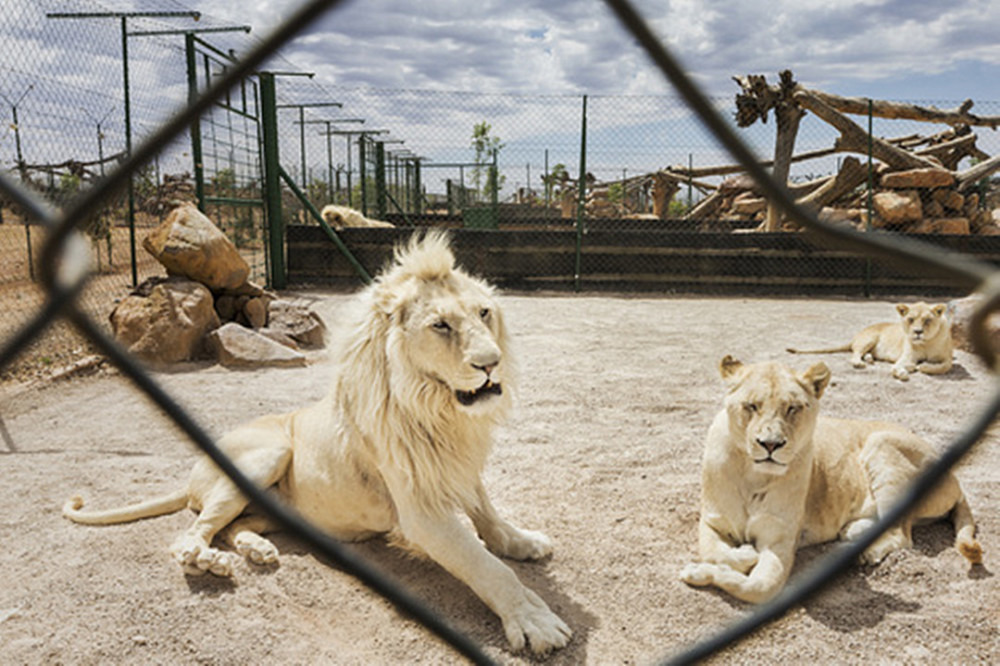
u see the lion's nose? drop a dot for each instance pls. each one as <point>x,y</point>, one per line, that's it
<point>771,445</point>
<point>488,368</point>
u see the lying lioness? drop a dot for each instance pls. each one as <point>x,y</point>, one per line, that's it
<point>777,477</point>
<point>919,341</point>
<point>422,375</point>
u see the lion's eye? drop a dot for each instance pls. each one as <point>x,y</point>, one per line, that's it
<point>441,326</point>
<point>793,410</point>
<point>484,313</point>
<point>751,407</point>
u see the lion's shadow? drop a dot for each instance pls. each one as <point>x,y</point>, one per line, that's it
<point>457,604</point>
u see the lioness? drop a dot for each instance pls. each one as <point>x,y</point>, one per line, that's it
<point>777,477</point>
<point>919,341</point>
<point>422,375</point>
<point>339,217</point>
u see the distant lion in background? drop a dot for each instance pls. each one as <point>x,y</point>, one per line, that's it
<point>422,375</point>
<point>340,217</point>
<point>919,341</point>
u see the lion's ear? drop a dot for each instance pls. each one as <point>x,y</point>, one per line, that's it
<point>902,309</point>
<point>728,367</point>
<point>817,378</point>
<point>939,309</point>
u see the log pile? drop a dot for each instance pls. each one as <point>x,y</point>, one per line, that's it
<point>917,184</point>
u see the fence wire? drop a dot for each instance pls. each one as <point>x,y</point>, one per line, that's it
<point>226,106</point>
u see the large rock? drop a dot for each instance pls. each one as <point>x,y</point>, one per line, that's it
<point>960,313</point>
<point>893,207</point>
<point>929,178</point>
<point>238,346</point>
<point>188,244</point>
<point>297,322</point>
<point>165,320</point>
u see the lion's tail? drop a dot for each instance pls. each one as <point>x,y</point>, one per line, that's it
<point>828,350</point>
<point>159,506</point>
<point>965,532</point>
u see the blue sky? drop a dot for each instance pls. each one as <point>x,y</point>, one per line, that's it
<point>429,70</point>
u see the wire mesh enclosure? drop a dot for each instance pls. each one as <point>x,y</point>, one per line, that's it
<point>657,193</point>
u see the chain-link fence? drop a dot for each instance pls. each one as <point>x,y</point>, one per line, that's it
<point>612,192</point>
<point>620,173</point>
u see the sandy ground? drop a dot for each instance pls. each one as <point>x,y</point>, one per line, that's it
<point>602,454</point>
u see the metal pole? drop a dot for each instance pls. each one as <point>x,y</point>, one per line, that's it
<point>128,151</point>
<point>196,149</point>
<point>272,179</point>
<point>871,187</point>
<point>581,194</point>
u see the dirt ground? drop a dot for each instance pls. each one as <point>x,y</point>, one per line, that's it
<point>602,453</point>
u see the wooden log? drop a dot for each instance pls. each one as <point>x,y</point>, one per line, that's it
<point>901,111</point>
<point>972,175</point>
<point>854,139</point>
<point>706,207</point>
<point>852,173</point>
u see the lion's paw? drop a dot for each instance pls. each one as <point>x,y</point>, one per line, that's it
<point>256,548</point>
<point>532,621</point>
<point>698,574</point>
<point>900,373</point>
<point>519,544</point>
<point>743,559</point>
<point>197,558</point>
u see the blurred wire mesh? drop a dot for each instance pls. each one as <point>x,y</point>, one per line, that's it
<point>636,169</point>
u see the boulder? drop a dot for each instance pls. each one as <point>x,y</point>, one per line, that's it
<point>960,313</point>
<point>164,320</point>
<point>238,346</point>
<point>188,244</point>
<point>944,225</point>
<point>297,322</point>
<point>893,207</point>
<point>255,310</point>
<point>928,178</point>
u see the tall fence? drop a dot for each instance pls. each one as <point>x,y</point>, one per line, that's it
<point>260,150</point>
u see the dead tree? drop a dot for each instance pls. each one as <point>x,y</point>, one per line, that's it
<point>754,103</point>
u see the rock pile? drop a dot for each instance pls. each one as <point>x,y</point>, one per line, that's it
<point>206,307</point>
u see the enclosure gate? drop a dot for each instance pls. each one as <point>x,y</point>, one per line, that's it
<point>227,161</point>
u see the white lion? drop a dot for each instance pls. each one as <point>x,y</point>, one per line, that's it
<point>397,447</point>
<point>777,477</point>
<point>339,217</point>
<point>919,341</point>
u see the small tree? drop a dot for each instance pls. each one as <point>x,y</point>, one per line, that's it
<point>485,146</point>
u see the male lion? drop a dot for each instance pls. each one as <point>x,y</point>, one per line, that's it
<point>396,447</point>
<point>920,340</point>
<point>339,217</point>
<point>777,477</point>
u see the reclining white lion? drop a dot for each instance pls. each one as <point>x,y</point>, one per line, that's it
<point>339,217</point>
<point>397,447</point>
<point>920,340</point>
<point>777,477</point>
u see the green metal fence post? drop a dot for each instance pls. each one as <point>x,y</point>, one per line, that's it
<point>871,187</point>
<point>581,187</point>
<point>495,190</point>
<point>196,155</point>
<point>128,151</point>
<point>380,204</point>
<point>272,180</point>
<point>417,198</point>
<point>362,169</point>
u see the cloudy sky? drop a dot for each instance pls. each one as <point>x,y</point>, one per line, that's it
<point>430,69</point>
<point>902,49</point>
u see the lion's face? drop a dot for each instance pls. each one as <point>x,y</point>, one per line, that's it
<point>447,332</point>
<point>451,332</point>
<point>922,322</point>
<point>772,410</point>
